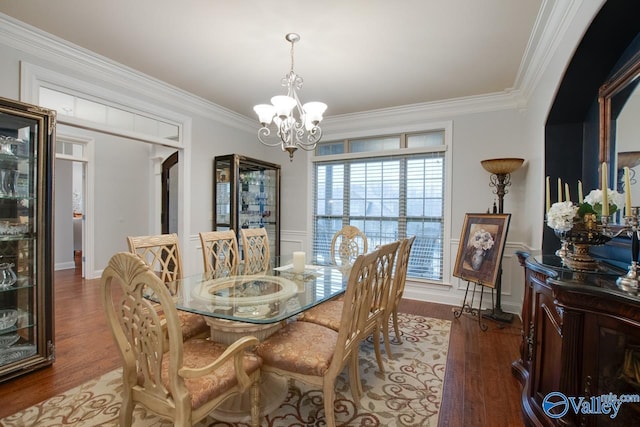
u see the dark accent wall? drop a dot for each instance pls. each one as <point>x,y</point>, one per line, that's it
<point>572,128</point>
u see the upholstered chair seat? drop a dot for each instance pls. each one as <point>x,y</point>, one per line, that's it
<point>303,347</point>
<point>198,352</point>
<point>193,325</point>
<point>326,314</point>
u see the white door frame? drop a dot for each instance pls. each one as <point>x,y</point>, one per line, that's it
<point>88,231</point>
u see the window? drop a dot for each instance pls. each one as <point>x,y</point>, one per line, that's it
<point>391,193</point>
<point>114,117</point>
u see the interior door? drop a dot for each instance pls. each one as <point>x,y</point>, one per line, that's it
<point>169,214</point>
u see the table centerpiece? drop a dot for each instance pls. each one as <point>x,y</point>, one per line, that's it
<point>582,225</point>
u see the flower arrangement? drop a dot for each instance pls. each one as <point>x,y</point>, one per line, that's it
<point>482,239</point>
<point>562,215</point>
<point>593,202</point>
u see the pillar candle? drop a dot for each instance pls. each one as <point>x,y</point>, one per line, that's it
<point>559,190</point>
<point>567,197</point>
<point>547,194</point>
<point>605,192</point>
<point>627,190</point>
<point>580,194</point>
<point>298,262</point>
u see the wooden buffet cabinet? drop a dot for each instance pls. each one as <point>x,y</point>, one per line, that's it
<point>580,337</point>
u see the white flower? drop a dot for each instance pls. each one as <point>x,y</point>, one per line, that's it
<point>482,240</point>
<point>561,214</point>
<point>615,199</point>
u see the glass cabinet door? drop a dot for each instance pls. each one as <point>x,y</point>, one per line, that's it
<point>26,300</point>
<point>222,192</point>
<point>247,195</point>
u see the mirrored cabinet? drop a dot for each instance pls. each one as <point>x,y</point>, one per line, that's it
<point>246,194</point>
<point>27,133</point>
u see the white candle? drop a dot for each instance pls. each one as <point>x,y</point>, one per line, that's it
<point>605,192</point>
<point>580,195</point>
<point>566,192</point>
<point>627,191</point>
<point>559,190</point>
<point>547,195</point>
<point>298,262</point>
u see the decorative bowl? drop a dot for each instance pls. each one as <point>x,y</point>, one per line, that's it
<point>8,318</point>
<point>501,166</point>
<point>8,340</point>
<point>17,352</point>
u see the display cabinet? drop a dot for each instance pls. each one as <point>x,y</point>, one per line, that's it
<point>27,133</point>
<point>246,194</point>
<point>581,338</point>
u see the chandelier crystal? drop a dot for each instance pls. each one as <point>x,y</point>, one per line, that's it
<point>296,125</point>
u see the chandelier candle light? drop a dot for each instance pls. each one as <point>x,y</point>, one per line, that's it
<point>296,125</point>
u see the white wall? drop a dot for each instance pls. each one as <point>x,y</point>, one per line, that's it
<point>63,239</point>
<point>122,191</point>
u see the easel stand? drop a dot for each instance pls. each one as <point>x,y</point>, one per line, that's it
<point>496,312</point>
<point>468,307</point>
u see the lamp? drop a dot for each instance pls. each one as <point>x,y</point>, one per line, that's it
<point>500,170</point>
<point>295,124</point>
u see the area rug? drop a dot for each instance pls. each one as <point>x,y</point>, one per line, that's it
<point>408,393</point>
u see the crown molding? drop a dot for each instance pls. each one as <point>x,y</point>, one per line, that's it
<point>63,54</point>
<point>336,127</point>
<point>553,21</point>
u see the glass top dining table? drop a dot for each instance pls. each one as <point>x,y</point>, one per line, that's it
<point>260,299</point>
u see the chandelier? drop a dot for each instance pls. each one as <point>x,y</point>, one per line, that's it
<point>296,125</point>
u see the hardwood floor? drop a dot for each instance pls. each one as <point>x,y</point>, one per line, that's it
<point>479,389</point>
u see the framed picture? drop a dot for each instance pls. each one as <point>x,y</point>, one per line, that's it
<point>481,247</point>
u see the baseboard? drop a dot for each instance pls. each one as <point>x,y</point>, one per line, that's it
<point>64,265</point>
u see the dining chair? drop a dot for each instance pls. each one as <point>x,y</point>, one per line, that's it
<point>162,254</point>
<point>397,289</point>
<point>220,253</point>
<point>328,313</point>
<point>316,355</point>
<point>255,248</point>
<point>347,244</point>
<point>183,381</point>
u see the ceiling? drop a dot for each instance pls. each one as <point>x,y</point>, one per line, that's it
<point>355,56</point>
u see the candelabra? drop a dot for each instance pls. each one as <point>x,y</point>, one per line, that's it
<point>629,282</point>
<point>500,170</point>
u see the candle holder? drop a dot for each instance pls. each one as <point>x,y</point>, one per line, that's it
<point>629,282</point>
<point>579,239</point>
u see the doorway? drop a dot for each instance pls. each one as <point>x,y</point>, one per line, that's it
<point>170,188</point>
<point>70,207</point>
